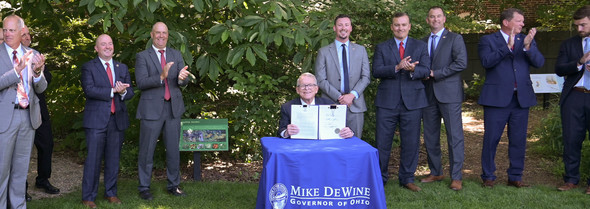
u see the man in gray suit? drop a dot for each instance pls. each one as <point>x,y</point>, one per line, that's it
<point>344,61</point>
<point>159,72</point>
<point>444,91</point>
<point>21,70</point>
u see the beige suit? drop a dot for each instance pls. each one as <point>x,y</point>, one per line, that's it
<point>16,130</point>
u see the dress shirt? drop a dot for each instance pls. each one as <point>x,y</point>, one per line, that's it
<point>580,82</point>
<point>436,40</point>
<point>397,47</point>
<point>160,56</point>
<point>20,52</point>
<point>113,73</point>
<point>339,48</point>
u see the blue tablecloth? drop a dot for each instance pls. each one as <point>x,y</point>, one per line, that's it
<point>342,173</point>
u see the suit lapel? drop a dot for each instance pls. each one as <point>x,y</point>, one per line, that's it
<point>5,60</point>
<point>101,70</point>
<point>442,42</point>
<point>334,52</point>
<point>154,58</point>
<point>394,49</point>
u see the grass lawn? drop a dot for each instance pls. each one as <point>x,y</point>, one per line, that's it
<point>217,195</point>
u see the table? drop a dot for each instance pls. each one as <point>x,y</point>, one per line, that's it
<point>340,173</point>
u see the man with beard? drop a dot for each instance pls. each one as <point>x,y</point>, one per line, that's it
<point>573,62</point>
<point>159,73</point>
<point>507,93</point>
<point>342,70</point>
<point>400,63</point>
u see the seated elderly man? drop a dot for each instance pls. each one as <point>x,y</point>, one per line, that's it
<point>307,88</point>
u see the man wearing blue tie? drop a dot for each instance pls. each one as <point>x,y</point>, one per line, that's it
<point>573,62</point>
<point>507,93</point>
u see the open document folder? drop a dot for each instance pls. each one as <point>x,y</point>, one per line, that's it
<point>318,121</point>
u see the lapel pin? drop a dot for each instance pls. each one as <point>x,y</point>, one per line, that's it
<point>117,65</point>
<point>444,37</point>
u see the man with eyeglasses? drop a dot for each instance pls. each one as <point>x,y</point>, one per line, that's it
<point>307,88</point>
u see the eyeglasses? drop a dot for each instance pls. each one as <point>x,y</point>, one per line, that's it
<point>307,86</point>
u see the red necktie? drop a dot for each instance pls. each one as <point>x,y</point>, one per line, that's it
<point>110,74</point>
<point>163,63</point>
<point>23,99</point>
<point>401,50</point>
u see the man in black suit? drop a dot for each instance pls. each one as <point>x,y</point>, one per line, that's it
<point>573,62</point>
<point>159,73</point>
<point>106,85</point>
<point>400,64</point>
<point>307,88</point>
<point>444,91</point>
<point>43,136</point>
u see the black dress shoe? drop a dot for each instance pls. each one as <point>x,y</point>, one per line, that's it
<point>49,189</point>
<point>176,192</point>
<point>146,195</point>
<point>28,197</point>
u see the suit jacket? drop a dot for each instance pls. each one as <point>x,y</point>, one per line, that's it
<point>505,68</point>
<point>41,96</point>
<point>8,87</point>
<point>147,77</point>
<point>97,90</point>
<point>402,85</point>
<point>327,69</point>
<point>286,111</point>
<point>566,65</point>
<point>450,59</point>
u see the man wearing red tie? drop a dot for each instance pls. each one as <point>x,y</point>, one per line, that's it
<point>400,64</point>
<point>507,93</point>
<point>21,76</point>
<point>159,73</point>
<point>106,85</point>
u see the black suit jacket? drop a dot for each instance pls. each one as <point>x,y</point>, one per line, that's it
<point>286,111</point>
<point>97,89</point>
<point>566,65</point>
<point>41,96</point>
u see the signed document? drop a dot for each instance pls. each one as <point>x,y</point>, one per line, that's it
<point>318,121</point>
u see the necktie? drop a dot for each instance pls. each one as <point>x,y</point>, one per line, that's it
<point>110,74</point>
<point>23,99</point>
<point>163,63</point>
<point>432,48</point>
<point>345,70</point>
<point>586,73</point>
<point>401,50</point>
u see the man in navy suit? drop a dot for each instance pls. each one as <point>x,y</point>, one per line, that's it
<point>573,62</point>
<point>507,93</point>
<point>106,85</point>
<point>307,88</point>
<point>400,63</point>
<point>444,91</point>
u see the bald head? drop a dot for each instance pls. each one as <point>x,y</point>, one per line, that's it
<point>159,35</point>
<point>104,47</point>
<point>12,26</point>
